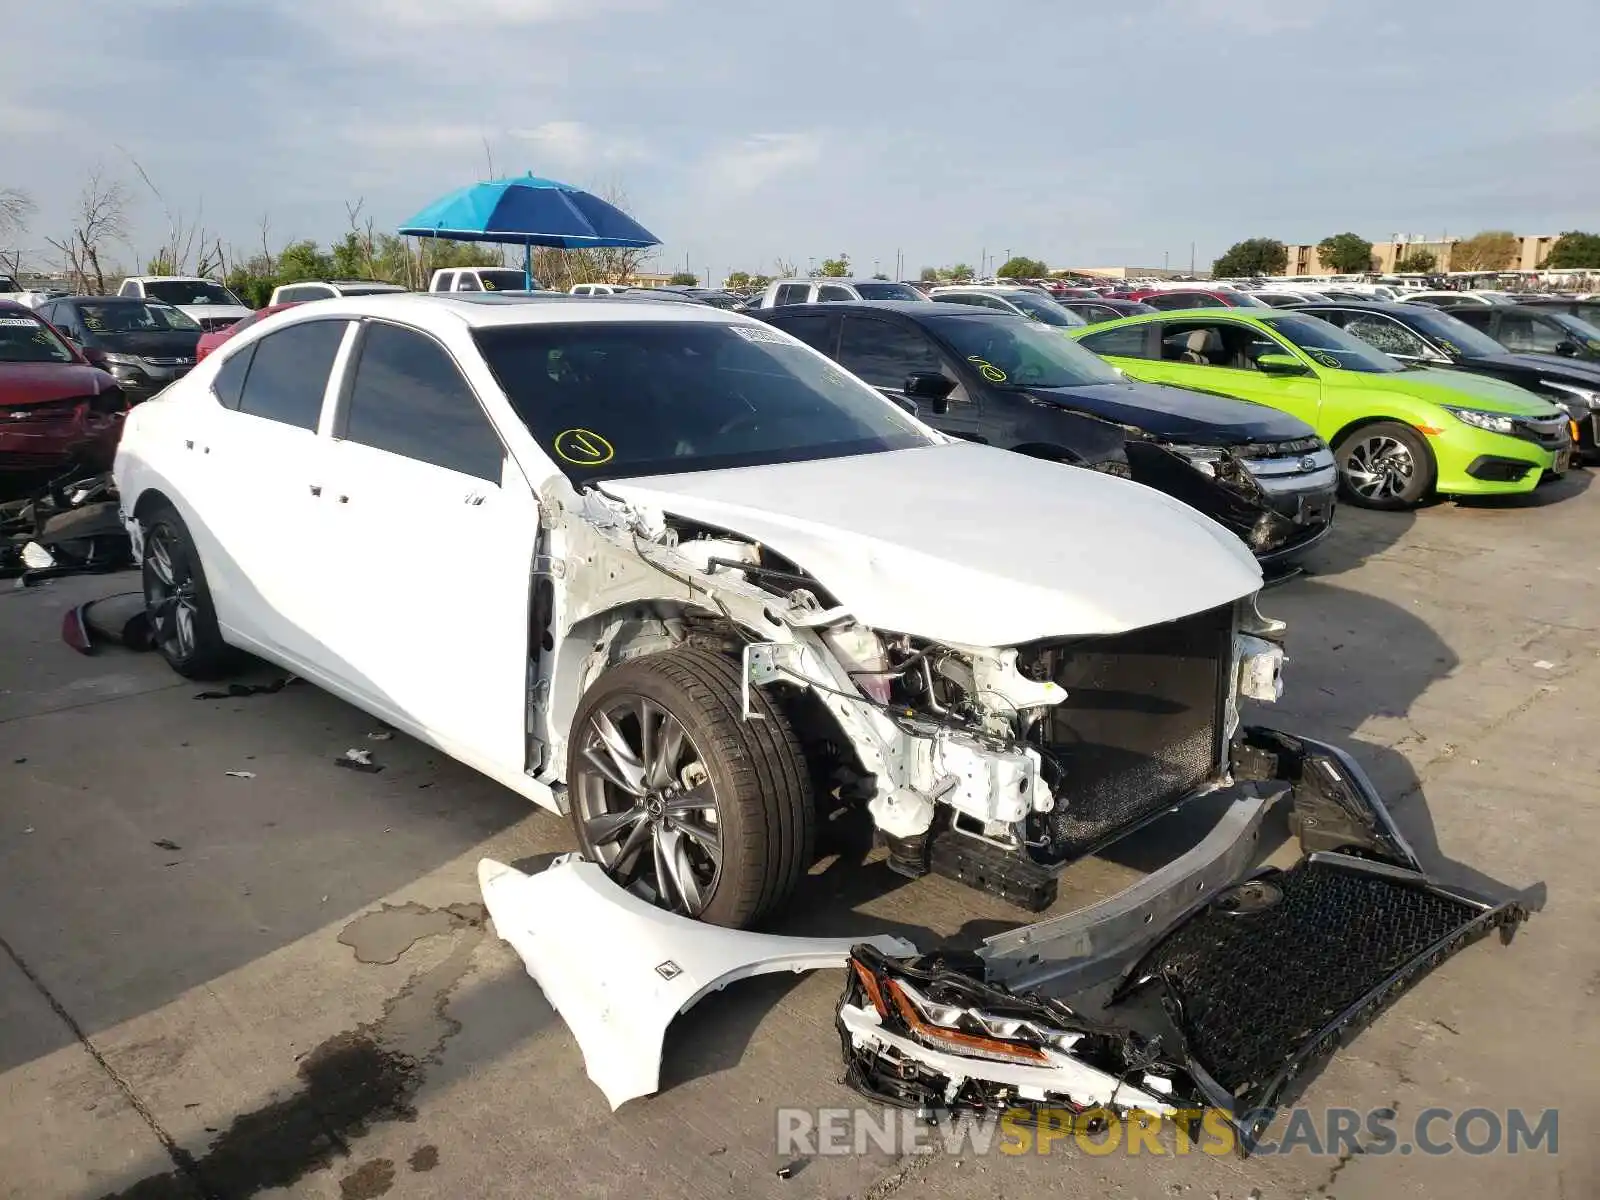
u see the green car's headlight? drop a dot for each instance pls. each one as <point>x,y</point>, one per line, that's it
<point>1491,422</point>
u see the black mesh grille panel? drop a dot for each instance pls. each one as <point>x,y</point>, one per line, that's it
<point>1139,728</point>
<point>1251,988</point>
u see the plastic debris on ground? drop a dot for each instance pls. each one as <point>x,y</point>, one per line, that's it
<point>358,760</point>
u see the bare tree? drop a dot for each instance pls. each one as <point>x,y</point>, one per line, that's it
<point>786,269</point>
<point>16,206</point>
<point>100,221</point>
<point>189,249</point>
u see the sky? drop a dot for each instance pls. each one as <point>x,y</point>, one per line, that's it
<point>921,131</point>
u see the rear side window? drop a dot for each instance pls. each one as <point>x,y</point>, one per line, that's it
<point>883,354</point>
<point>229,381</point>
<point>1131,341</point>
<point>409,398</point>
<point>830,292</point>
<point>289,373</point>
<point>793,293</point>
<point>468,282</point>
<point>445,282</point>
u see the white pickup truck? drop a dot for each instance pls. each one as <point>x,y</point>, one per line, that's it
<point>479,279</point>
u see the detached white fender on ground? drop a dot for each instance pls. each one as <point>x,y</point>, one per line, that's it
<point>618,969</point>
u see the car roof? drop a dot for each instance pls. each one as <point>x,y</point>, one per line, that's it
<point>13,306</point>
<point>171,279</point>
<point>483,310</point>
<point>910,308</point>
<point>1243,316</point>
<point>1383,306</point>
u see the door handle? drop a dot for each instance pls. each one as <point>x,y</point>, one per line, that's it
<point>473,498</point>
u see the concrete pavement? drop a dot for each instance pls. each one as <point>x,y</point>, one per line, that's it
<point>180,1017</point>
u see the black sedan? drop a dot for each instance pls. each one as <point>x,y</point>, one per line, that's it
<point>1418,333</point>
<point>1585,310</point>
<point>143,343</point>
<point>1010,382</point>
<point>1105,308</point>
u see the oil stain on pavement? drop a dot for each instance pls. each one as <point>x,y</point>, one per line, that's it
<point>348,1083</point>
<point>383,936</point>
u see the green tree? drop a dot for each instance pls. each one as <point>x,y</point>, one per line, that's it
<point>1345,254</point>
<point>758,283</point>
<point>1491,250</point>
<point>738,280</point>
<point>929,275</point>
<point>1418,262</point>
<point>835,268</point>
<point>1020,267</point>
<point>1254,256</point>
<point>960,273</point>
<point>683,279</point>
<point>1574,250</point>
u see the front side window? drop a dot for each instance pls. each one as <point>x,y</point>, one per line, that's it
<point>1009,353</point>
<point>467,282</point>
<point>30,340</point>
<point>1386,334</point>
<point>500,279</point>
<point>288,373</point>
<point>627,398</point>
<point>832,293</point>
<point>884,353</point>
<point>814,329</point>
<point>793,293</point>
<point>888,291</point>
<point>409,398</point>
<point>190,291</point>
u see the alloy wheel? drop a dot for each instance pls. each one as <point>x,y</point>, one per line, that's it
<point>646,805</point>
<point>1380,468</point>
<point>169,595</point>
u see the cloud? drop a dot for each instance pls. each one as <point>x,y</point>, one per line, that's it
<point>750,164</point>
<point>415,135</point>
<point>575,144</point>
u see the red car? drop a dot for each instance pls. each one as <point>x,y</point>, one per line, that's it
<point>57,413</point>
<point>211,340</point>
<point>1173,298</point>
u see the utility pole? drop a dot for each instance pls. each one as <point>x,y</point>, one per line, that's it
<point>1191,260</point>
<point>983,263</point>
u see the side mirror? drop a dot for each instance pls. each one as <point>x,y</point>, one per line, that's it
<point>1281,364</point>
<point>1568,349</point>
<point>932,387</point>
<point>95,355</point>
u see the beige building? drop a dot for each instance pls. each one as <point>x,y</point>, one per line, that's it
<point>1532,249</point>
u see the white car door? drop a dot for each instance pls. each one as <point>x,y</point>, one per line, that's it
<point>432,529</point>
<point>258,468</point>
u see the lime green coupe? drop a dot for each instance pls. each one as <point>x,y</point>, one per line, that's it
<point>1398,432</point>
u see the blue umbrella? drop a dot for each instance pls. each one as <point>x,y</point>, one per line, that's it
<point>527,211</point>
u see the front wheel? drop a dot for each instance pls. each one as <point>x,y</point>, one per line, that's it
<point>1385,466</point>
<point>680,798</point>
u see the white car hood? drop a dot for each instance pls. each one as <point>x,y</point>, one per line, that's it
<point>970,545</point>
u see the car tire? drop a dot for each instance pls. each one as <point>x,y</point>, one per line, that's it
<point>182,619</point>
<point>718,778</point>
<point>1386,465</point>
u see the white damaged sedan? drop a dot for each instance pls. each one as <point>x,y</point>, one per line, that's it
<point>672,572</point>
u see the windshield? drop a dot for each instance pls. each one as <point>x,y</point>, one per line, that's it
<point>502,279</point>
<point>1454,334</point>
<point>1244,300</point>
<point>1331,346</point>
<point>30,340</point>
<point>1047,312</point>
<point>134,316</point>
<point>888,291</point>
<point>1588,335</point>
<point>614,399</point>
<point>191,291</point>
<point>1020,354</point>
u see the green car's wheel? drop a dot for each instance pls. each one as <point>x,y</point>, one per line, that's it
<point>1387,465</point>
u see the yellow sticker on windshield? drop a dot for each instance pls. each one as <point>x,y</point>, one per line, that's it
<point>1449,346</point>
<point>583,447</point>
<point>987,369</point>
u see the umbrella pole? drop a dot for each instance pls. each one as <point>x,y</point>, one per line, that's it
<point>527,266</point>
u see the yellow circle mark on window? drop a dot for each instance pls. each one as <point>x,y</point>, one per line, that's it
<point>1327,360</point>
<point>583,447</point>
<point>988,370</point>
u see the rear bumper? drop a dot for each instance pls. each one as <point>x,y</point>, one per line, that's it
<point>1230,981</point>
